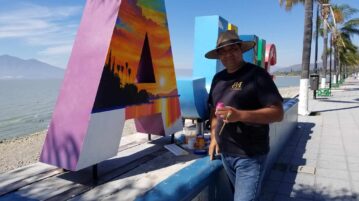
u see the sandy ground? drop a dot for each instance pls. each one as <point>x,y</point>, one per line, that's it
<point>289,92</point>
<point>19,152</point>
<point>22,151</point>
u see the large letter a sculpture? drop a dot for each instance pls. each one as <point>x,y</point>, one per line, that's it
<point>120,68</point>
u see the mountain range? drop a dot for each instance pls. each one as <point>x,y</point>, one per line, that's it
<point>293,68</point>
<point>15,68</point>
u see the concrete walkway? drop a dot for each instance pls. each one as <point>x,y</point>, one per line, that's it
<point>321,160</point>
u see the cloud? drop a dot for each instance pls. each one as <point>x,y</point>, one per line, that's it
<point>33,11</point>
<point>55,50</point>
<point>51,29</point>
<point>34,20</point>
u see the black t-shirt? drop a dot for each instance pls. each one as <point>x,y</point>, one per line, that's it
<point>249,88</point>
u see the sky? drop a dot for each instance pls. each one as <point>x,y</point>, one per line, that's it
<point>45,30</point>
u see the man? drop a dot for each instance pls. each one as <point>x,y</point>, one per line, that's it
<point>240,130</point>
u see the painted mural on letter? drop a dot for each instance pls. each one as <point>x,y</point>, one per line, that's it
<point>120,68</point>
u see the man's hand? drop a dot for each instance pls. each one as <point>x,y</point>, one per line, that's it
<point>228,114</point>
<point>213,149</point>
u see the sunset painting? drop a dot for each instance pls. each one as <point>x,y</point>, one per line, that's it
<point>139,74</point>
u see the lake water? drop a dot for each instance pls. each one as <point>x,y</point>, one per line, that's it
<point>287,81</point>
<point>26,105</point>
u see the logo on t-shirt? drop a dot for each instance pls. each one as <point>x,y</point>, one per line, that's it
<point>237,86</point>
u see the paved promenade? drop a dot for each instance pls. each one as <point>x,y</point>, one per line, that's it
<point>321,160</point>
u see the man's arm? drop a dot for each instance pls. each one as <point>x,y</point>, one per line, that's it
<point>266,115</point>
<point>213,147</point>
<point>213,121</point>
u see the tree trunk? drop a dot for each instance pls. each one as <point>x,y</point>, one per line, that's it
<point>335,72</point>
<point>337,66</point>
<point>340,70</point>
<point>345,71</point>
<point>325,55</point>
<point>307,42</point>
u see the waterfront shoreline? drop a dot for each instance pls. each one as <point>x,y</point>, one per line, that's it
<point>21,151</point>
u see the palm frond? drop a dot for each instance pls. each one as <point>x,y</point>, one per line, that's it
<point>323,1</point>
<point>350,31</point>
<point>352,22</point>
<point>343,12</point>
<point>289,4</point>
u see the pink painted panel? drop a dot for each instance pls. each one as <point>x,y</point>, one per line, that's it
<point>71,116</point>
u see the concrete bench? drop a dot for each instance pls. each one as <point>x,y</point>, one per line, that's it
<point>206,180</point>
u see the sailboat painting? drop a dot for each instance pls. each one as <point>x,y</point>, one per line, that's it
<point>139,73</point>
<point>121,67</point>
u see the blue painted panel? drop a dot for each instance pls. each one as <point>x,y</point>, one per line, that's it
<point>186,183</point>
<point>251,55</point>
<point>193,98</point>
<point>207,29</point>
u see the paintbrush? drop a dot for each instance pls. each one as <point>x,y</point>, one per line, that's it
<point>224,123</point>
<point>220,105</point>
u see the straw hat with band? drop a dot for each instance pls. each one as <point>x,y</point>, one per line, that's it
<point>227,38</point>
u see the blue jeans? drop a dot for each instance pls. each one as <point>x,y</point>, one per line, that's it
<point>245,174</point>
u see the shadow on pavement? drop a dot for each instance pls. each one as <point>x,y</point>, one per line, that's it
<point>344,108</point>
<point>293,175</point>
<point>339,101</point>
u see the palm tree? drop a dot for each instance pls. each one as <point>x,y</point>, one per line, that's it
<point>348,56</point>
<point>346,52</point>
<point>290,3</point>
<point>123,75</point>
<point>307,41</point>
<point>129,74</point>
<point>325,11</point>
